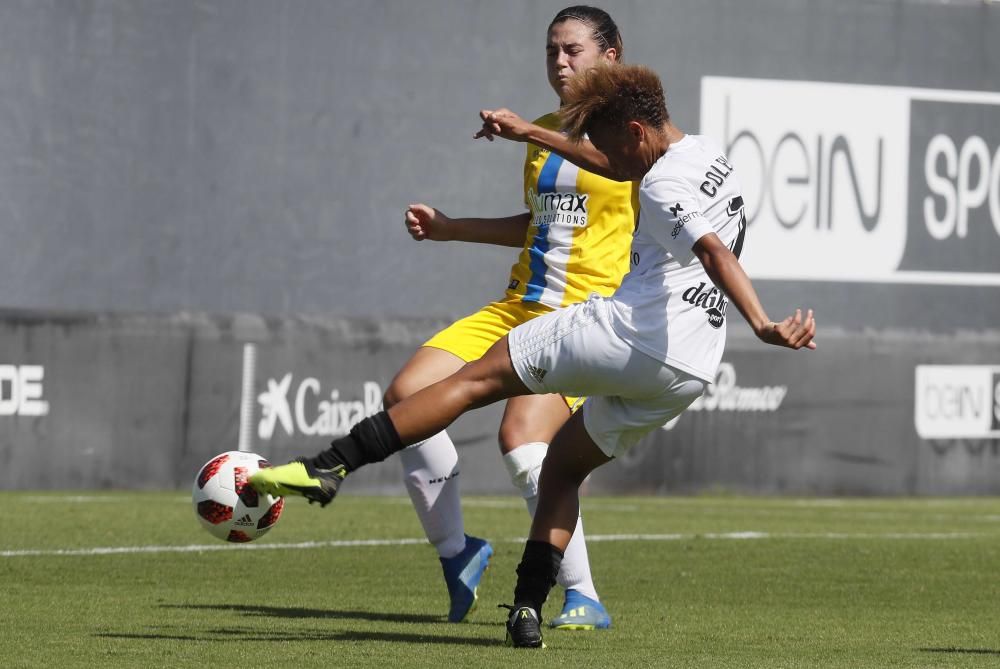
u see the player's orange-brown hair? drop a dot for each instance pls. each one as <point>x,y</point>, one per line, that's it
<point>609,96</point>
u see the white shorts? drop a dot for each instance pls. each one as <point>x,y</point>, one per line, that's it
<point>574,351</point>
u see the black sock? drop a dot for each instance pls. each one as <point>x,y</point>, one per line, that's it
<point>536,575</point>
<point>372,440</point>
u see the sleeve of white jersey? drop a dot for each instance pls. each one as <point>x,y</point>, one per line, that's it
<point>672,215</point>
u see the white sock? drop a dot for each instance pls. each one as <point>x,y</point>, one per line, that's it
<point>430,472</point>
<point>524,464</point>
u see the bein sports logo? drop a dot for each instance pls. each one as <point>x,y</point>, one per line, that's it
<point>725,395</point>
<point>957,401</point>
<point>307,414</point>
<point>863,183</point>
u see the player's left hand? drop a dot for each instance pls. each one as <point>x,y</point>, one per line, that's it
<point>502,123</point>
<point>793,332</point>
<point>424,222</point>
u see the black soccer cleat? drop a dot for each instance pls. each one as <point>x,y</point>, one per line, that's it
<point>524,629</point>
<point>300,478</point>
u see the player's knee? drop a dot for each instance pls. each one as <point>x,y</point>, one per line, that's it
<point>524,465</point>
<point>563,471</point>
<point>512,434</point>
<point>397,391</point>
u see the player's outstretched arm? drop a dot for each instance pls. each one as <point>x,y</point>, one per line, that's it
<point>726,272</point>
<point>424,222</point>
<point>508,125</point>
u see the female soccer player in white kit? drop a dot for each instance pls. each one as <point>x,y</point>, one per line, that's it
<point>641,356</point>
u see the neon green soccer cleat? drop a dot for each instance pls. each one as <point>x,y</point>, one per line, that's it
<point>300,478</point>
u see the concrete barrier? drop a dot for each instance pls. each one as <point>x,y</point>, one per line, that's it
<point>143,401</point>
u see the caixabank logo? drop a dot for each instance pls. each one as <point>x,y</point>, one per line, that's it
<point>306,408</point>
<point>957,401</point>
<point>863,183</point>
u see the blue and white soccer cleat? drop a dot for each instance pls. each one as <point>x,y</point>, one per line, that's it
<point>581,613</point>
<point>462,574</point>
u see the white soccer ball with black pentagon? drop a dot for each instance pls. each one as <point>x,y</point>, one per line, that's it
<point>225,502</point>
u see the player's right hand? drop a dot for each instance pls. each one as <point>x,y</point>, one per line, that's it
<point>502,123</point>
<point>423,222</point>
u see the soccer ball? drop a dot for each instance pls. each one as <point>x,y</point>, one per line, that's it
<point>225,502</point>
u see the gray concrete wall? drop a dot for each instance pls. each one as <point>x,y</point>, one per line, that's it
<point>852,419</point>
<point>171,158</point>
<point>143,402</point>
<point>227,156</point>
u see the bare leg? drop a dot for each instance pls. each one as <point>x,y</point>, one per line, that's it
<point>535,418</point>
<point>571,457</point>
<point>529,425</point>
<point>428,365</point>
<point>430,467</point>
<point>489,379</point>
<point>481,382</point>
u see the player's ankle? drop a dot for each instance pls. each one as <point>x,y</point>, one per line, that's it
<point>371,440</point>
<point>536,574</point>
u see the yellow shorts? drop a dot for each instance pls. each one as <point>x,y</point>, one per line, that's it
<point>470,337</point>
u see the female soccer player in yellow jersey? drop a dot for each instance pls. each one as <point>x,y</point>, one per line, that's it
<point>574,241</point>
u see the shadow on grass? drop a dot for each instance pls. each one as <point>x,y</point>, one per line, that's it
<point>961,651</point>
<point>214,636</point>
<point>299,612</point>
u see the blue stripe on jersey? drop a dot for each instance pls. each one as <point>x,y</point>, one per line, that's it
<point>536,283</point>
<point>547,176</point>
<point>540,246</point>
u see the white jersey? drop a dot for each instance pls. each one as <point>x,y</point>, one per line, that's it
<point>667,307</point>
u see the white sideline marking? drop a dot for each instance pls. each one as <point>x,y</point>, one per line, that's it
<point>783,535</point>
<point>68,499</point>
<point>519,504</point>
<point>199,548</point>
<point>308,545</point>
<point>86,499</point>
<point>480,503</point>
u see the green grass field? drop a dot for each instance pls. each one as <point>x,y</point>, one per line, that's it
<point>691,582</point>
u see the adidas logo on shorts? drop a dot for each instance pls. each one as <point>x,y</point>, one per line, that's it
<point>536,373</point>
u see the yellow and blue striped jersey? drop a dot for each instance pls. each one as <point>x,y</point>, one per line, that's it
<point>580,231</point>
